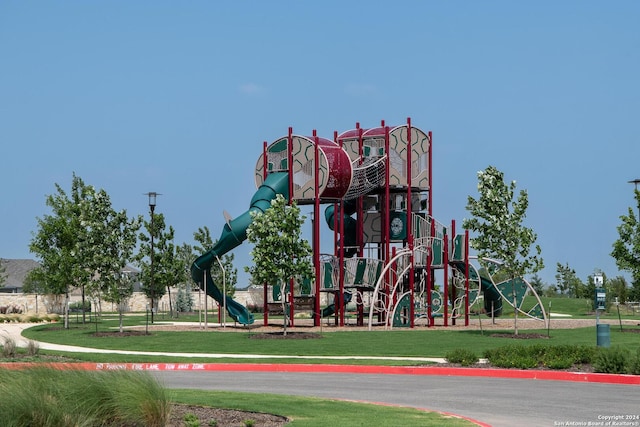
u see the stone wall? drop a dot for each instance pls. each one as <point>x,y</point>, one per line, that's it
<point>29,303</point>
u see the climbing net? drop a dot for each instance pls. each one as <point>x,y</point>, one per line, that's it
<point>366,177</point>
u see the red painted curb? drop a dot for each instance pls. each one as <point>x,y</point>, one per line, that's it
<point>349,369</point>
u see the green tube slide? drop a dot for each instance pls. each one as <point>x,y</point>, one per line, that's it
<point>349,240</point>
<point>233,234</point>
<point>492,297</point>
<point>349,225</point>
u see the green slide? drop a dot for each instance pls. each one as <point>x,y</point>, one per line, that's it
<point>491,293</point>
<point>331,308</point>
<point>233,234</point>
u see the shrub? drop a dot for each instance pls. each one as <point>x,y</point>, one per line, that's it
<point>463,356</point>
<point>190,420</point>
<point>184,300</point>
<point>512,357</point>
<point>76,307</point>
<point>610,361</point>
<point>48,397</point>
<point>33,348</point>
<point>553,357</point>
<point>8,347</point>
<point>565,356</point>
<point>634,363</point>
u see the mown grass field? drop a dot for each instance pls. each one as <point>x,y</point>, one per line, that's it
<point>419,342</point>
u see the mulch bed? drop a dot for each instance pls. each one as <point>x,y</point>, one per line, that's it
<point>281,336</point>
<point>520,336</point>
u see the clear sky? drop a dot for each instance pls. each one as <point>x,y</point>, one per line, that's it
<point>177,98</point>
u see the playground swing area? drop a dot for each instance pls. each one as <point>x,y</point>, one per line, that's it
<point>393,264</point>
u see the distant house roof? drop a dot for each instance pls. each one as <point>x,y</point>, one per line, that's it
<point>17,269</point>
<point>15,272</point>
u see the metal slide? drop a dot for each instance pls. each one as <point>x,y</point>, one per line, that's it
<point>233,234</point>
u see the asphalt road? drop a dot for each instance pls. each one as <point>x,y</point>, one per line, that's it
<point>494,401</point>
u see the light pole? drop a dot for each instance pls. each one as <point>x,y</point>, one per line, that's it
<point>636,182</point>
<point>152,207</point>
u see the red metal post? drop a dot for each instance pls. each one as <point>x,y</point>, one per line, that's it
<point>430,175</point>
<point>290,171</point>
<point>454,291</point>
<point>341,294</point>
<point>466,274</point>
<point>360,207</point>
<point>265,164</point>
<point>385,213</point>
<point>445,290</point>
<point>316,229</point>
<point>410,227</point>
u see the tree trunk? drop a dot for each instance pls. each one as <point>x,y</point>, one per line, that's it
<point>285,314</point>
<point>170,305</point>
<point>83,316</point>
<point>515,308</point>
<point>66,310</point>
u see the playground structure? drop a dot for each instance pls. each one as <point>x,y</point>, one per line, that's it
<point>392,260</point>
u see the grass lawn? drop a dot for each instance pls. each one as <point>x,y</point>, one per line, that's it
<point>419,342</point>
<point>308,412</point>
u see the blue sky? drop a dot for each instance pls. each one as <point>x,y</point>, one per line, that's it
<point>177,97</point>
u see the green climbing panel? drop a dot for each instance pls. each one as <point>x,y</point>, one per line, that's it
<point>517,287</point>
<point>458,252</point>
<point>401,317</point>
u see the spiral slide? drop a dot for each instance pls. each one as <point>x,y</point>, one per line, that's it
<point>233,234</point>
<point>349,240</point>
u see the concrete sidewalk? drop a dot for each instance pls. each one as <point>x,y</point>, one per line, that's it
<point>14,331</point>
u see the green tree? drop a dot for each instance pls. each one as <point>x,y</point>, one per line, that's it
<point>168,269</point>
<point>117,289</point>
<point>620,288</point>
<point>184,298</point>
<point>497,221</point>
<point>81,243</point>
<point>61,243</point>
<point>34,283</point>
<point>626,250</point>
<point>568,282</point>
<point>111,241</point>
<point>230,276</point>
<point>279,254</point>
<point>537,284</point>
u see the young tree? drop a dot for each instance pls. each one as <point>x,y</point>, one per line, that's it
<point>619,288</point>
<point>111,240</point>
<point>117,289</point>
<point>568,282</point>
<point>537,284</point>
<point>626,250</point>
<point>280,254</point>
<point>34,283</point>
<point>61,243</point>
<point>163,260</point>
<point>82,241</point>
<point>497,219</point>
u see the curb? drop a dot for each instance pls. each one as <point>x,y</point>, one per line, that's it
<point>584,377</point>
